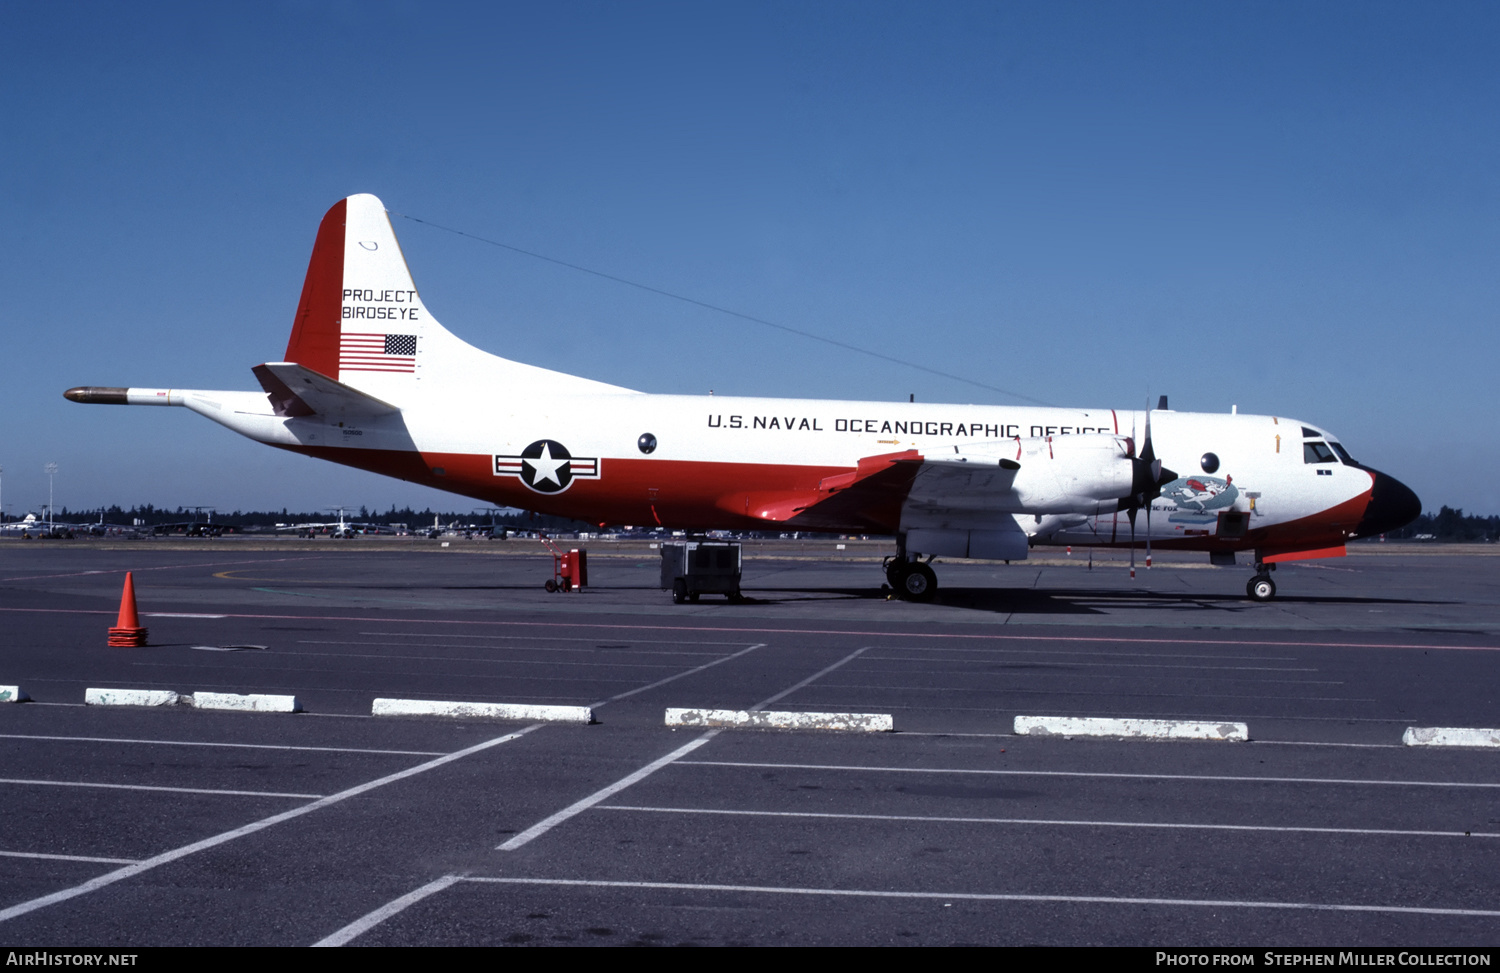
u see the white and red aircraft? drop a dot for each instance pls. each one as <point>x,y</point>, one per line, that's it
<point>371,380</point>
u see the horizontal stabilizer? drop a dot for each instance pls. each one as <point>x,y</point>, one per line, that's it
<point>296,391</point>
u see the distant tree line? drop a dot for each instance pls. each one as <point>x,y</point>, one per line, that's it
<point>1450,524</point>
<point>149,515</point>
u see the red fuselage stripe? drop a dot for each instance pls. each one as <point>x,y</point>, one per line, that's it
<point>706,496</point>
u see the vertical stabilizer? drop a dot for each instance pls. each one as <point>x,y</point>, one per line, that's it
<point>361,321</point>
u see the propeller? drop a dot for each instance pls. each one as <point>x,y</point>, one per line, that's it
<point>1147,476</point>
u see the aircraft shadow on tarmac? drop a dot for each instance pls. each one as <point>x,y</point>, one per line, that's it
<point>1083,601</point>
<point>1023,601</point>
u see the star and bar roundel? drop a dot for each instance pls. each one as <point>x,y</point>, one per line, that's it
<point>546,466</point>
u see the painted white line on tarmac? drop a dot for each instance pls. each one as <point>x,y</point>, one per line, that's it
<point>491,660</point>
<point>1450,736</point>
<point>1215,778</point>
<point>992,897</point>
<point>180,615</point>
<point>1365,646</point>
<point>200,743</point>
<point>1112,694</point>
<point>367,922</point>
<point>1046,822</point>
<point>662,682</point>
<point>69,858</point>
<point>167,857</point>
<point>578,807</point>
<point>1049,653</point>
<point>1047,657</point>
<point>160,567</point>
<point>605,663</point>
<point>1096,726</point>
<point>247,703</point>
<point>130,697</point>
<point>809,680</point>
<point>1325,743</point>
<point>1258,743</point>
<point>481,711</point>
<point>548,638</point>
<point>775,720</point>
<point>13,694</point>
<point>148,787</point>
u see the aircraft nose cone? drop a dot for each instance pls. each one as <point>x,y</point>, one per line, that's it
<point>1392,505</point>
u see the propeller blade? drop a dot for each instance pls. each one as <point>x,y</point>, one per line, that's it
<point>1132,541</point>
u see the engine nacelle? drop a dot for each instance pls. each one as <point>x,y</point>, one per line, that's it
<point>1060,474</point>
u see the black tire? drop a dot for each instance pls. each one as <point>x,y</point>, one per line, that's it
<point>550,585</point>
<point>1261,588</point>
<point>917,583</point>
<point>679,592</point>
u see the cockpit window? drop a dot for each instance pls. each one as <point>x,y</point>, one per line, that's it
<point>1316,452</point>
<point>1343,454</point>
<point>1311,433</point>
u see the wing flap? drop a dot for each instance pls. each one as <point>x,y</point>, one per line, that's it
<point>870,495</point>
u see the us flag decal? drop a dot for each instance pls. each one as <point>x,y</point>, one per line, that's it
<point>367,352</point>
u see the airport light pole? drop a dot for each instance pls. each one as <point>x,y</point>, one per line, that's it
<point>2,494</point>
<point>51,470</point>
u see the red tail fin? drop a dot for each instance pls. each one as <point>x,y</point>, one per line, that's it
<point>315,332</point>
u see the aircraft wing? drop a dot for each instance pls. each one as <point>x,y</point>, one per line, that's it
<point>883,486</point>
<point>296,391</point>
<point>973,487</point>
<point>871,495</point>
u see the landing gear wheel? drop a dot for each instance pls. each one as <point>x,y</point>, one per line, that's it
<point>916,582</point>
<point>1261,588</point>
<point>893,570</point>
<point>679,591</point>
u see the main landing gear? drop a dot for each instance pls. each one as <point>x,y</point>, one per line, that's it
<point>1261,587</point>
<point>913,580</point>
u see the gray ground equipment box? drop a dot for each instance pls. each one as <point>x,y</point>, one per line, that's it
<point>692,568</point>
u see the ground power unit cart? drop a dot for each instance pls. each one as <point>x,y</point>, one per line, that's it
<point>693,568</point>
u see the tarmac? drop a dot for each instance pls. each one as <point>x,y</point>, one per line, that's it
<point>174,825</point>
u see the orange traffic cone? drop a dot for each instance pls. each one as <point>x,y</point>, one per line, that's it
<point>127,631</point>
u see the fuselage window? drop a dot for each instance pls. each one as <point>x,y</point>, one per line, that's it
<point>1315,452</point>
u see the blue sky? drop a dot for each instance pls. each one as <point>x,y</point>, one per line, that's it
<point>1288,207</point>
